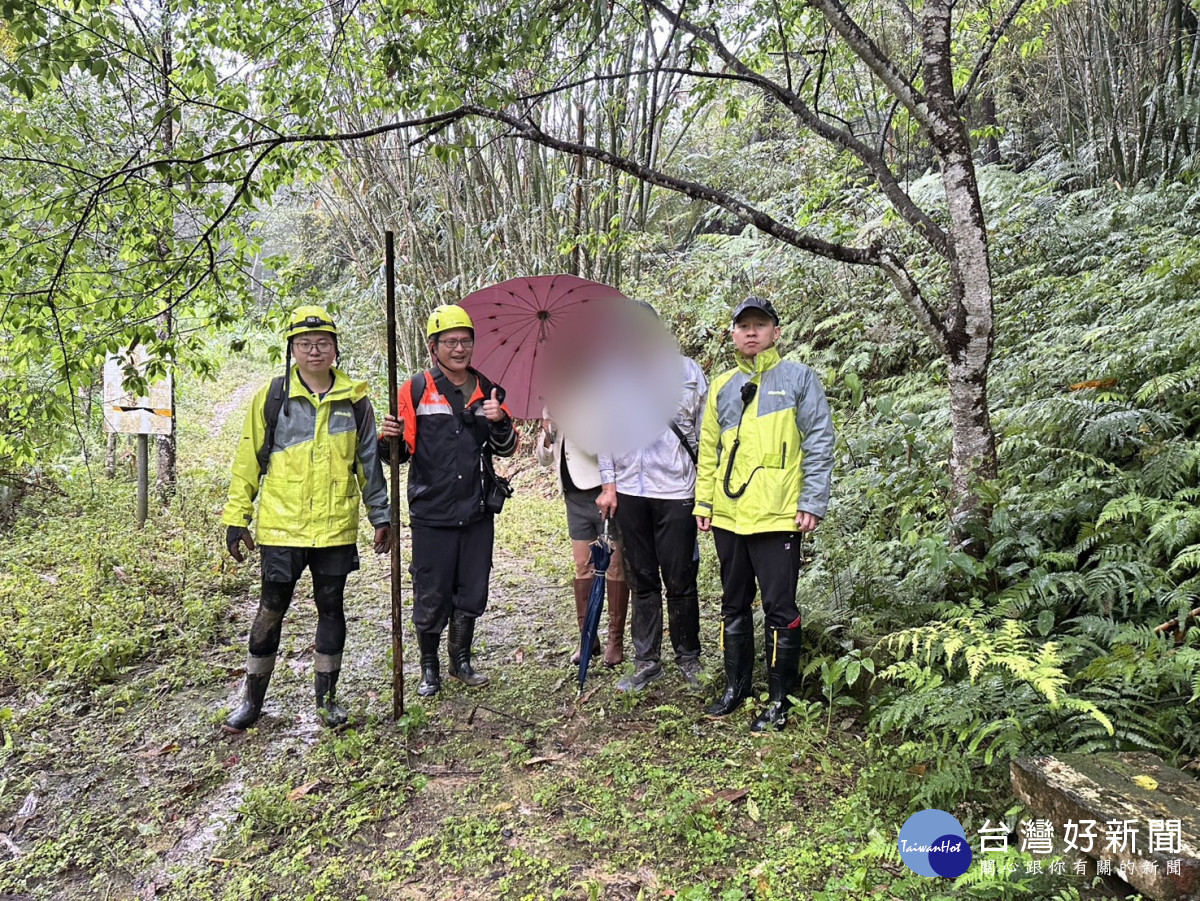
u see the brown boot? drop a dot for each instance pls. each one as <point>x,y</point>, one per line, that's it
<point>618,606</point>
<point>583,587</point>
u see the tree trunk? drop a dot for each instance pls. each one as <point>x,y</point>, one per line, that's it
<point>969,321</point>
<point>989,148</point>
<point>110,456</point>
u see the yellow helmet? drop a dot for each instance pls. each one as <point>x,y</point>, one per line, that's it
<point>310,319</point>
<point>446,317</point>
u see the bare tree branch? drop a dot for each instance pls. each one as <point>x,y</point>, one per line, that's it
<point>886,179</point>
<point>526,129</point>
<point>876,60</point>
<point>998,31</point>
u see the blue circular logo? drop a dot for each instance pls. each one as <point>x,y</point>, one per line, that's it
<point>932,843</point>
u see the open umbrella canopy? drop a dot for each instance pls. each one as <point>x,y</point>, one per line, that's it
<point>515,325</point>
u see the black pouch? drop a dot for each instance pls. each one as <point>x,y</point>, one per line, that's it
<point>496,490</point>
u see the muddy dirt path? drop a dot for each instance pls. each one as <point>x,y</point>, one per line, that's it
<point>518,789</point>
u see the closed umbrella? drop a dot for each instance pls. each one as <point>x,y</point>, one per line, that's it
<point>602,551</point>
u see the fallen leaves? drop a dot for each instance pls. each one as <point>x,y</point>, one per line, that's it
<point>301,790</point>
<point>548,758</point>
<point>726,794</point>
<point>170,747</point>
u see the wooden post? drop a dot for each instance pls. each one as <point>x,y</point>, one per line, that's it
<point>143,477</point>
<point>393,405</point>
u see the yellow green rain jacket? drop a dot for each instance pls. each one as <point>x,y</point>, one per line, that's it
<point>784,447</point>
<point>321,462</point>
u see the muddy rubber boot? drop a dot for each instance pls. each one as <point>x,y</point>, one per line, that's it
<point>783,671</point>
<point>258,677</point>
<point>737,637</point>
<point>325,683</point>
<point>462,634</point>
<point>618,607</point>
<point>431,674</point>
<point>583,588</point>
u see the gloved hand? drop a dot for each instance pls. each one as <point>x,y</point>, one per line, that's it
<point>383,539</point>
<point>234,535</point>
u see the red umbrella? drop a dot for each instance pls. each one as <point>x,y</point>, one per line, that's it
<point>515,323</point>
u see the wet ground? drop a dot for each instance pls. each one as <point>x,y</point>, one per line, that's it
<point>520,789</point>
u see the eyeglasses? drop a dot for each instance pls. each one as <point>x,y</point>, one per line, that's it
<point>305,347</point>
<point>452,343</point>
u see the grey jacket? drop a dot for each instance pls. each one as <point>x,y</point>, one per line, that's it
<point>663,468</point>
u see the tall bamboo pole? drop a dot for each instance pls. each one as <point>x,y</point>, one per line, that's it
<point>393,405</point>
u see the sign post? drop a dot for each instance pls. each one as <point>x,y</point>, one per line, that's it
<point>145,415</point>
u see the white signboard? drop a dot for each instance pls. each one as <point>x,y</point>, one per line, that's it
<point>127,414</point>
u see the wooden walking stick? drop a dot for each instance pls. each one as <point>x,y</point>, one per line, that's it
<point>393,405</point>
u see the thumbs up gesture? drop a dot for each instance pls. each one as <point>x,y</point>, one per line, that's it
<point>492,410</point>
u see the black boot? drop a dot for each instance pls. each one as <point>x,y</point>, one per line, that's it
<point>431,675</point>
<point>462,634</point>
<point>325,683</point>
<point>738,639</point>
<point>256,690</point>
<point>783,671</point>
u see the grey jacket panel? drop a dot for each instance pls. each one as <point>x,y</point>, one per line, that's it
<point>370,471</point>
<point>815,424</point>
<point>663,468</point>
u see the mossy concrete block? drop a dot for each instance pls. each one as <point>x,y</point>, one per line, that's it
<point>1121,787</point>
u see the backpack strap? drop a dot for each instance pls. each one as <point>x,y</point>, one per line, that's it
<point>416,389</point>
<point>687,446</point>
<point>271,411</point>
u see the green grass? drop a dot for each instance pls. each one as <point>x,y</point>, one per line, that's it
<point>116,683</point>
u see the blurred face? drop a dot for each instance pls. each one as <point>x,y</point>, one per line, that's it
<point>453,349</point>
<point>753,332</point>
<point>314,352</point>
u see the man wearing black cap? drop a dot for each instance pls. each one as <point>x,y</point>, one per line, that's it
<point>766,461</point>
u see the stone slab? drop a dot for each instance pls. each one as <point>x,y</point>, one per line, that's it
<point>1121,787</point>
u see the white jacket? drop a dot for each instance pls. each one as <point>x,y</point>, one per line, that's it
<point>583,468</point>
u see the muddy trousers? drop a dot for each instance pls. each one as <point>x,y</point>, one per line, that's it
<point>451,568</point>
<point>328,593</point>
<point>658,540</point>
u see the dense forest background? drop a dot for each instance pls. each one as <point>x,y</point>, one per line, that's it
<point>978,220</point>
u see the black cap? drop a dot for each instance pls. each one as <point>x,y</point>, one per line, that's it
<point>755,303</point>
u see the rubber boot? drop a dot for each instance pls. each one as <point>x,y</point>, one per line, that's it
<point>783,671</point>
<point>431,675</point>
<point>325,682</point>
<point>618,608</point>
<point>737,638</point>
<point>583,588</point>
<point>462,634</point>
<point>258,677</point>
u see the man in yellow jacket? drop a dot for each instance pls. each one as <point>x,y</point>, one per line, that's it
<point>766,461</point>
<point>308,452</point>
